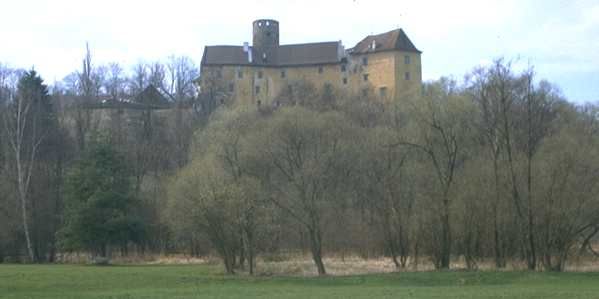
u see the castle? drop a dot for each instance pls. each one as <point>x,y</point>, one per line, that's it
<point>386,66</point>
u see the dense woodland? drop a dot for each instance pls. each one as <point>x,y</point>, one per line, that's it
<point>498,166</point>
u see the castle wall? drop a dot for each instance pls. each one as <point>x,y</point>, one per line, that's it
<point>385,71</point>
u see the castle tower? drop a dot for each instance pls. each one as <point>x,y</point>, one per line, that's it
<point>265,40</point>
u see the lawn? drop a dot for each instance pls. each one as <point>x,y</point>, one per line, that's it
<point>201,281</point>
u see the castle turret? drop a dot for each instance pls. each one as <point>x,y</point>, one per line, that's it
<point>266,40</point>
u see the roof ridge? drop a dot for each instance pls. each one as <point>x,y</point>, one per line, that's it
<point>316,43</point>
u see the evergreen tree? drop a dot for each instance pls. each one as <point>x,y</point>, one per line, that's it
<point>100,208</point>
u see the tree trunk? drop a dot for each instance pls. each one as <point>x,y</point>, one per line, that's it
<point>532,258</point>
<point>316,249</point>
<point>445,235</point>
<point>390,240</point>
<point>250,250</point>
<point>499,260</point>
<point>24,217</point>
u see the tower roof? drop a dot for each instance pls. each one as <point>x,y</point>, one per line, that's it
<point>388,41</point>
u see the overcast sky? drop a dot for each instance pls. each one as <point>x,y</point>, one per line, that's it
<point>560,38</point>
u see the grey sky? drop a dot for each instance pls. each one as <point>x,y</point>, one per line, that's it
<point>560,38</point>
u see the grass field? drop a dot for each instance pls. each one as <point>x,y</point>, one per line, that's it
<point>205,281</point>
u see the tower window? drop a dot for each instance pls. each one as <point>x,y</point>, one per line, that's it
<point>257,90</point>
<point>260,74</point>
<point>365,92</point>
<point>365,76</point>
<point>239,74</point>
<point>406,59</point>
<point>268,34</point>
<point>364,60</point>
<point>283,74</point>
<point>320,70</point>
<point>231,87</point>
<point>344,80</point>
<point>407,75</point>
<point>383,92</point>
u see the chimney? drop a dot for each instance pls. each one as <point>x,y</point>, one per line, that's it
<point>248,50</point>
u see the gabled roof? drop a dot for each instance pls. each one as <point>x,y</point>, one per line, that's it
<point>224,55</point>
<point>285,55</point>
<point>314,53</point>
<point>152,98</point>
<point>392,40</point>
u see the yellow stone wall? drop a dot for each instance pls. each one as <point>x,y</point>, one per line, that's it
<point>385,70</point>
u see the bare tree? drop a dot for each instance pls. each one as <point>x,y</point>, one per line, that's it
<point>25,129</point>
<point>442,133</point>
<point>89,86</point>
<point>310,156</point>
<point>115,81</point>
<point>181,73</point>
<point>385,190</point>
<point>481,90</point>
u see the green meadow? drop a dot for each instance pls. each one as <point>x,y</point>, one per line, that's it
<point>206,281</point>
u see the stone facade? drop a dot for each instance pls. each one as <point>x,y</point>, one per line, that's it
<point>386,66</point>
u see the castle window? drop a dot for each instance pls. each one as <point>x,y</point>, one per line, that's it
<point>343,68</point>
<point>364,60</point>
<point>365,92</point>
<point>283,74</point>
<point>231,87</point>
<point>260,74</point>
<point>383,92</point>
<point>344,80</point>
<point>257,90</point>
<point>239,74</point>
<point>407,75</point>
<point>365,76</point>
<point>406,59</point>
<point>320,70</point>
